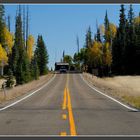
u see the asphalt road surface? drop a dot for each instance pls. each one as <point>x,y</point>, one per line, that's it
<point>68,106</point>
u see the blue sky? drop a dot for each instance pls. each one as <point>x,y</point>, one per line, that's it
<point>60,24</point>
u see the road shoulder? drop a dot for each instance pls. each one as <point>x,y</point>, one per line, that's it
<point>108,91</point>
<point>21,91</point>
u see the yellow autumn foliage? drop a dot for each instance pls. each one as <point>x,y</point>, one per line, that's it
<point>30,44</point>
<point>107,57</point>
<point>137,20</point>
<point>96,53</point>
<point>113,29</point>
<point>3,56</point>
<point>9,40</point>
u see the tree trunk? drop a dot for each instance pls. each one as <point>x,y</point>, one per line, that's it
<point>1,70</point>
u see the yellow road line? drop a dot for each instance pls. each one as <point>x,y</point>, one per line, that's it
<point>64,105</point>
<point>71,118</point>
<point>63,134</point>
<point>64,116</point>
<point>67,105</point>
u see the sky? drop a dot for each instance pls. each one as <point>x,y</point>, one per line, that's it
<point>61,23</point>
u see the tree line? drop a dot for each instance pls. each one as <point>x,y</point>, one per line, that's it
<point>18,57</point>
<point>114,50</point>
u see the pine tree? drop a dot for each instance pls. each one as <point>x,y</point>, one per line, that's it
<point>27,25</point>
<point>98,35</point>
<point>23,71</point>
<point>2,24</point>
<point>10,79</point>
<point>9,23</point>
<point>88,45</point>
<point>107,46</point>
<point>2,12</point>
<point>130,43</point>
<point>119,44</point>
<point>34,68</point>
<point>131,15</point>
<point>77,42</point>
<point>17,44</point>
<point>63,55</point>
<point>19,62</point>
<point>42,55</point>
<point>122,33</point>
<point>88,38</point>
<point>137,44</point>
<point>107,28</point>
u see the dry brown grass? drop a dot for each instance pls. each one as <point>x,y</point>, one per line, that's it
<point>23,89</point>
<point>124,88</point>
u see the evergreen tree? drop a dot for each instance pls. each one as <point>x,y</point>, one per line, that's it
<point>9,23</point>
<point>88,38</point>
<point>19,61</point>
<point>131,16</point>
<point>2,12</point>
<point>17,44</point>
<point>42,55</point>
<point>34,68</point>
<point>119,44</point>
<point>106,47</point>
<point>10,79</point>
<point>130,43</point>
<point>137,46</point>
<point>76,60</point>
<point>88,45</point>
<point>98,36</point>
<point>2,23</point>
<point>107,28</point>
<point>23,71</point>
<point>122,33</point>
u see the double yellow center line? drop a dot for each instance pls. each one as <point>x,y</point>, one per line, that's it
<point>68,106</point>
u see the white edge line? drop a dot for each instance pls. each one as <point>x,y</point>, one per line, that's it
<point>126,106</point>
<point>1,109</point>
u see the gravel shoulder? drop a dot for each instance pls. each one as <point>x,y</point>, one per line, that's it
<point>124,88</point>
<point>20,91</point>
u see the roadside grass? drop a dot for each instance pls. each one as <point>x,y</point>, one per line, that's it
<point>1,98</point>
<point>132,100</point>
<point>123,88</point>
<point>17,91</point>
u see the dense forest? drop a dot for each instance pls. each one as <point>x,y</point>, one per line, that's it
<point>113,50</point>
<point>20,56</point>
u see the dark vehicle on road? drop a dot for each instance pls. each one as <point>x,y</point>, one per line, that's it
<point>63,70</point>
<point>61,67</point>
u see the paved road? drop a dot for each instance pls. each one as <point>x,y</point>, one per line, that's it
<point>67,106</point>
